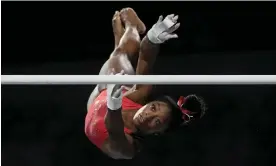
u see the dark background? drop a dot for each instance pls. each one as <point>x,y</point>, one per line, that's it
<point>43,125</point>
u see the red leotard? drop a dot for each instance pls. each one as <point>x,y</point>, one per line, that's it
<point>95,128</point>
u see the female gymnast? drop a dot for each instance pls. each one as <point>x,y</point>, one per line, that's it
<point>119,117</point>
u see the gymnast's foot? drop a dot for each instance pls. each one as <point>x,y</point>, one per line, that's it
<point>118,29</point>
<point>130,18</point>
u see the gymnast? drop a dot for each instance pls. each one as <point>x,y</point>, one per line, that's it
<point>119,117</point>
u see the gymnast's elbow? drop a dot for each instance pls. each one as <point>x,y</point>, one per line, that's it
<point>121,156</point>
<point>117,152</point>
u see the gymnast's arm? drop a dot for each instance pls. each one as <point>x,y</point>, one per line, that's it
<point>147,56</point>
<point>149,49</point>
<point>118,145</point>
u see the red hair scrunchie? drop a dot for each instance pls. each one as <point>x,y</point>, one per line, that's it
<point>187,115</point>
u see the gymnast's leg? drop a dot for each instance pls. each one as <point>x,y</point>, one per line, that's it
<point>127,45</point>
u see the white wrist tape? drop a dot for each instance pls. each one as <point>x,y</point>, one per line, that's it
<point>113,103</point>
<point>157,29</point>
<point>153,36</point>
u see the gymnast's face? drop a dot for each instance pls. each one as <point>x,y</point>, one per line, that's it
<point>153,118</point>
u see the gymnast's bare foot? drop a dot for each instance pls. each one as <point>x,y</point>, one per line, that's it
<point>118,29</point>
<point>130,18</point>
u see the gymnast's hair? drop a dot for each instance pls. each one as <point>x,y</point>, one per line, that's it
<point>192,103</point>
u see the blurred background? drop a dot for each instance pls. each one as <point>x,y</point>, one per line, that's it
<point>44,125</point>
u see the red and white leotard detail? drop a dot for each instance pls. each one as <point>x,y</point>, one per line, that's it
<point>95,128</point>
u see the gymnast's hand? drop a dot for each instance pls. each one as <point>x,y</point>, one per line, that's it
<point>163,29</point>
<point>114,94</point>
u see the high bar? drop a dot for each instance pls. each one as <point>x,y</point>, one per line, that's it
<point>138,79</point>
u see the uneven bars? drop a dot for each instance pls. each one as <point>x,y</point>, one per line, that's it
<point>138,79</point>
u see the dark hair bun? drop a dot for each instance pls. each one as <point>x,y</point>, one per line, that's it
<point>195,104</point>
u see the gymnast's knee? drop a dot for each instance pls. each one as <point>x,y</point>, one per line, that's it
<point>130,52</point>
<point>131,46</point>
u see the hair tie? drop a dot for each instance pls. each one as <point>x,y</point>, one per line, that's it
<point>187,115</point>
